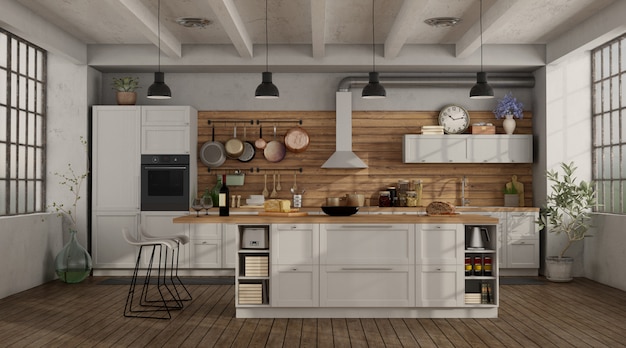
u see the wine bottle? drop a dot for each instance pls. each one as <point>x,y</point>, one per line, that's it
<point>215,191</point>
<point>224,198</point>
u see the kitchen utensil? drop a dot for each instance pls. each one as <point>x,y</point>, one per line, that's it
<point>340,211</point>
<point>248,149</point>
<point>476,238</point>
<point>355,199</point>
<point>260,143</point>
<point>333,201</point>
<point>274,194</point>
<point>266,193</point>
<point>234,147</point>
<point>295,186</point>
<point>212,153</point>
<point>274,150</point>
<point>278,188</point>
<point>296,139</point>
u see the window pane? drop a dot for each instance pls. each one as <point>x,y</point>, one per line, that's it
<point>606,201</point>
<point>13,193</point>
<point>615,128</point>
<point>597,138</point>
<point>31,62</point>
<point>606,95</point>
<point>597,98</point>
<point>22,92</point>
<point>623,163</point>
<point>14,59</point>
<point>3,123</point>
<point>14,89</point>
<point>3,52</point>
<point>22,129</point>
<point>615,100</point>
<point>615,58</point>
<point>3,86</point>
<point>597,65</point>
<point>606,129</point>
<point>23,58</point>
<point>39,97</point>
<point>606,64</point>
<point>3,165</point>
<point>606,163</point>
<point>615,156</point>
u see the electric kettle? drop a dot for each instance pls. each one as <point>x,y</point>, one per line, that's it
<point>476,238</point>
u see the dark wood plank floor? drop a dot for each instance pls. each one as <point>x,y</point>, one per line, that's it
<point>582,313</point>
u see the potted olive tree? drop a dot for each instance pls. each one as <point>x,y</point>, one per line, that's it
<point>567,211</point>
<point>125,87</point>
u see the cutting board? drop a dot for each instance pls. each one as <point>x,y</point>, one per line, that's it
<point>271,213</point>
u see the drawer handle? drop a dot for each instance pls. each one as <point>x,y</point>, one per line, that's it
<point>365,226</point>
<point>366,268</point>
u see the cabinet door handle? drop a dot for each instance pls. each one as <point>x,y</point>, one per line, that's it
<point>366,268</point>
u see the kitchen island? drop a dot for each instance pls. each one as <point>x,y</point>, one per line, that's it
<point>364,265</point>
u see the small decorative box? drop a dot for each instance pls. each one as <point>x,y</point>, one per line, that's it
<point>483,129</point>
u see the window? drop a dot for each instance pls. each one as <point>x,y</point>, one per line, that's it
<point>609,125</point>
<point>22,125</point>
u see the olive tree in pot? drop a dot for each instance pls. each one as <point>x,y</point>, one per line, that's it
<point>567,211</point>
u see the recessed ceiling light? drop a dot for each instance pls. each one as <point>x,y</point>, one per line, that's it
<point>442,22</point>
<point>193,22</point>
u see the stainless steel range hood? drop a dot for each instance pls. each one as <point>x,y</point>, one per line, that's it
<point>343,156</point>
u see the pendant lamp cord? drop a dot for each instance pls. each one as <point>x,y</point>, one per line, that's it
<point>481,35</point>
<point>267,47</point>
<point>159,32</point>
<point>373,42</point>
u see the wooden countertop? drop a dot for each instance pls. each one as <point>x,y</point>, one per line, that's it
<point>354,219</point>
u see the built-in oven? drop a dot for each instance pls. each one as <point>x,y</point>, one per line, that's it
<point>165,182</point>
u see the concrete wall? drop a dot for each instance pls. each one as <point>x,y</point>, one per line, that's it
<point>604,251</point>
<point>29,245</point>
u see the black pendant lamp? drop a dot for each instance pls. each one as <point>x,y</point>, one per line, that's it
<point>266,90</point>
<point>373,89</point>
<point>159,90</point>
<point>481,89</point>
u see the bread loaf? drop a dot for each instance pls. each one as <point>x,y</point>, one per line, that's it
<point>440,208</point>
<point>277,205</point>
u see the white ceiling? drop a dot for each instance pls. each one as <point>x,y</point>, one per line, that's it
<point>316,27</point>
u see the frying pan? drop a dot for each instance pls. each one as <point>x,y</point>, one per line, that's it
<point>260,143</point>
<point>296,139</point>
<point>234,147</point>
<point>274,150</point>
<point>212,153</point>
<point>248,149</point>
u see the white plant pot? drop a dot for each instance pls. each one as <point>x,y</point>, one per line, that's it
<point>559,269</point>
<point>509,124</point>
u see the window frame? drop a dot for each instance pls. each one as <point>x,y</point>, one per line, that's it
<point>23,112</point>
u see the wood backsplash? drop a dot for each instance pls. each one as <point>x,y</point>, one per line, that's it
<point>377,140</point>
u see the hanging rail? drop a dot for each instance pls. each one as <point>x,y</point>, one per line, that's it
<point>279,121</point>
<point>225,170</point>
<point>232,121</point>
<point>279,169</point>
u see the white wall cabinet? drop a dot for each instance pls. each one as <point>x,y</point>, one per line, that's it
<point>115,184</point>
<point>500,148</point>
<point>168,130</point>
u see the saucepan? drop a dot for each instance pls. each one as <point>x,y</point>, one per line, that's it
<point>355,200</point>
<point>333,201</point>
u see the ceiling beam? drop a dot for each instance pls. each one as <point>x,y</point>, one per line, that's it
<point>403,26</point>
<point>318,28</point>
<point>228,15</point>
<point>494,19</point>
<point>148,24</point>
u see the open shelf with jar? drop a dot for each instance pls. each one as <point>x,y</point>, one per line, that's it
<point>252,271</point>
<point>481,266</point>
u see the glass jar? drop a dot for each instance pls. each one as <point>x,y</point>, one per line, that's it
<point>411,199</point>
<point>403,186</point>
<point>384,199</point>
<point>393,196</point>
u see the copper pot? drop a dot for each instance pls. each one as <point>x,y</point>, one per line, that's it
<point>333,201</point>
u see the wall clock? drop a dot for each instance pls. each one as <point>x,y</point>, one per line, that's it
<point>454,119</point>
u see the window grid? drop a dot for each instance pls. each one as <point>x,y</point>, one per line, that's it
<point>22,125</point>
<point>608,129</point>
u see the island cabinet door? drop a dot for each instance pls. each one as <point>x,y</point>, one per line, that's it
<point>367,286</point>
<point>440,286</point>
<point>440,244</point>
<point>356,244</point>
<point>295,285</point>
<point>295,244</point>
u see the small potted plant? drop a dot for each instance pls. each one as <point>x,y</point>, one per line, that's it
<point>511,196</point>
<point>567,211</point>
<point>125,87</point>
<point>509,108</point>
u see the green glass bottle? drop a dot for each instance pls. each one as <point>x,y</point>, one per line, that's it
<point>73,263</point>
<point>215,191</point>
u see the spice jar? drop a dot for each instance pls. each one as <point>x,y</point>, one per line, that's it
<point>411,199</point>
<point>384,199</point>
<point>393,196</point>
<point>403,187</point>
<point>488,267</point>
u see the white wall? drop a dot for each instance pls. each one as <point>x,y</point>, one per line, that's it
<point>29,245</point>
<point>604,251</point>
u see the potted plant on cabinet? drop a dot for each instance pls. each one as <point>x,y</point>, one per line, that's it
<point>509,108</point>
<point>567,211</point>
<point>125,87</point>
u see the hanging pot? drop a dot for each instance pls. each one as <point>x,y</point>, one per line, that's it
<point>296,139</point>
<point>260,143</point>
<point>248,149</point>
<point>234,147</point>
<point>274,150</point>
<point>212,153</point>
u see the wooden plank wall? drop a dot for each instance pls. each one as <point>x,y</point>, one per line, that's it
<point>377,140</point>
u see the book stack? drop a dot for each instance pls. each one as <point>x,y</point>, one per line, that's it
<point>251,293</point>
<point>473,298</point>
<point>432,130</point>
<point>256,266</point>
<point>486,293</point>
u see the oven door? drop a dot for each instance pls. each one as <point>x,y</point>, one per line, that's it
<point>165,187</point>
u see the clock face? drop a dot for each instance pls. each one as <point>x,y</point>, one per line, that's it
<point>454,119</point>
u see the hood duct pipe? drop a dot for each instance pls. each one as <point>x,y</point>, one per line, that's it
<point>343,157</point>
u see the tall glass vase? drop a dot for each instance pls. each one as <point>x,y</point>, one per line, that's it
<point>73,263</point>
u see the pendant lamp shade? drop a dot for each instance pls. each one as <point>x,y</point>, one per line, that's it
<point>267,89</point>
<point>481,90</point>
<point>373,89</point>
<point>159,90</point>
